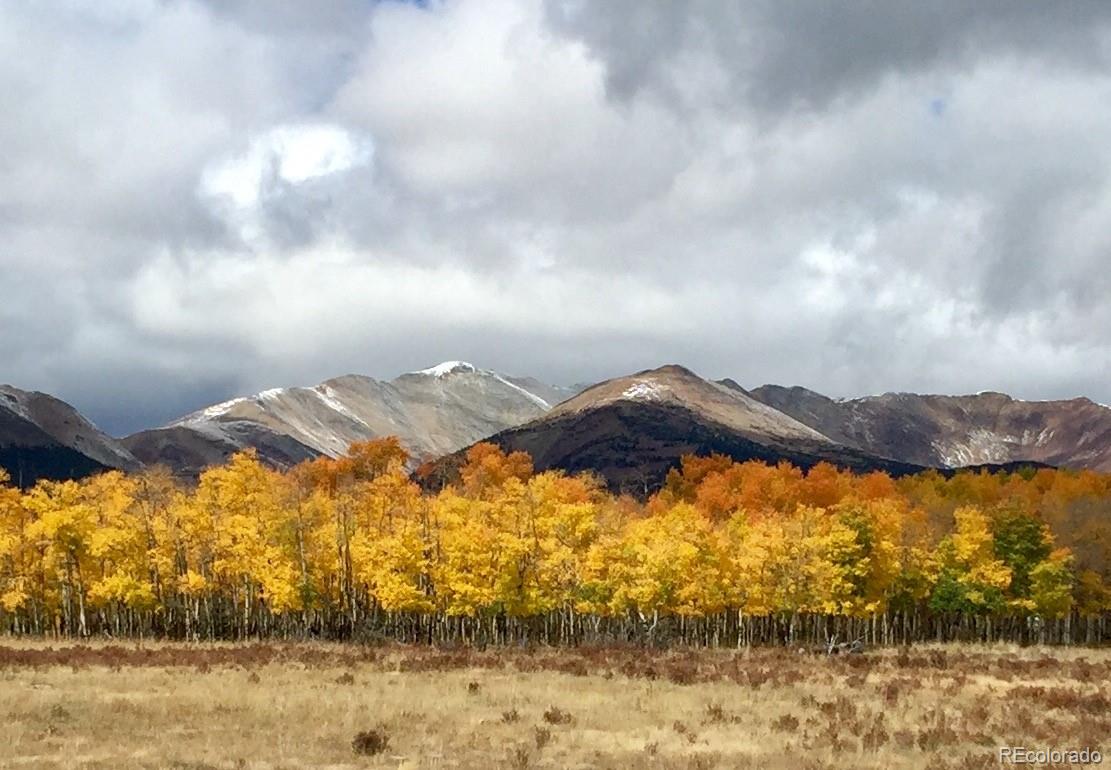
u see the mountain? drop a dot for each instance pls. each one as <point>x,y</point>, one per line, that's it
<point>433,411</point>
<point>954,431</point>
<point>632,430</point>
<point>188,449</point>
<point>42,437</point>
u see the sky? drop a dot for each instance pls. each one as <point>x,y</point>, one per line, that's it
<point>200,200</point>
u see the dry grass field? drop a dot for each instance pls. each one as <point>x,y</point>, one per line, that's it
<point>291,706</point>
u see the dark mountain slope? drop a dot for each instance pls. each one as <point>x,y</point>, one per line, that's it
<point>188,450</point>
<point>42,437</point>
<point>632,430</point>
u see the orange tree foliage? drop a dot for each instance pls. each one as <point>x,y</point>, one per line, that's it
<point>351,546</point>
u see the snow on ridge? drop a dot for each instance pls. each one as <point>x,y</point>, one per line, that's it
<point>271,394</point>
<point>210,412</point>
<point>451,367</point>
<point>329,397</point>
<point>15,403</point>
<point>527,394</point>
<point>644,390</point>
<point>446,368</point>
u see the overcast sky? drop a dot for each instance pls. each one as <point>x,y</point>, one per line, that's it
<point>201,200</point>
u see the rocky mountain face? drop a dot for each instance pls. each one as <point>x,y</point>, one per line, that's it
<point>632,430</point>
<point>43,437</point>
<point>956,431</point>
<point>433,411</point>
<point>188,449</point>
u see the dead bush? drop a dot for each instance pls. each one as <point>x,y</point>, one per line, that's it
<point>520,758</point>
<point>715,714</point>
<point>937,734</point>
<point>787,723</point>
<point>891,692</point>
<point>370,742</point>
<point>875,736</point>
<point>557,716</point>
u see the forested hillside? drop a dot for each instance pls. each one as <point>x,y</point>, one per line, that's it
<point>726,553</point>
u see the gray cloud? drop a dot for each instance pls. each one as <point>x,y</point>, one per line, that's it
<point>780,55</point>
<point>201,199</point>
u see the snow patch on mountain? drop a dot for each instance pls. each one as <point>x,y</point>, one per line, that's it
<point>210,413</point>
<point>12,401</point>
<point>331,399</point>
<point>982,446</point>
<point>446,368</point>
<point>645,390</point>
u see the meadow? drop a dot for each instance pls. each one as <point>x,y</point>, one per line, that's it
<point>267,705</point>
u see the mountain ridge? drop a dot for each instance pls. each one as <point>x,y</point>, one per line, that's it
<point>441,409</point>
<point>632,430</point>
<point>44,437</point>
<point>955,431</point>
<point>433,411</point>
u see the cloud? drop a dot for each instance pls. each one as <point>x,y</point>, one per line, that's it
<point>202,199</point>
<point>265,193</point>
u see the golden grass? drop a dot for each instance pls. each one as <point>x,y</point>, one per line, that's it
<point>289,706</point>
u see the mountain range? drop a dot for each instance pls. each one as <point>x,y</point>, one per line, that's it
<point>433,411</point>
<point>630,430</point>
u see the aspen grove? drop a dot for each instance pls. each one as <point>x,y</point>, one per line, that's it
<point>724,554</point>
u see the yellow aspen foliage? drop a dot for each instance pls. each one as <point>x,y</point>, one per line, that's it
<point>243,500</point>
<point>16,554</point>
<point>729,551</point>
<point>469,573</point>
<point>669,562</point>
<point>561,516</point>
<point>972,549</point>
<point>391,548</point>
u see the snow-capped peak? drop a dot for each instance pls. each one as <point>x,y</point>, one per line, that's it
<point>448,367</point>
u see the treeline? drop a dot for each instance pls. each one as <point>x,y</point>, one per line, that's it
<point>724,554</point>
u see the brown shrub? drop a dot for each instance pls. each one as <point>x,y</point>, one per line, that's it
<point>875,736</point>
<point>520,758</point>
<point>370,742</point>
<point>758,677</point>
<point>842,709</point>
<point>787,723</point>
<point>891,692</point>
<point>703,761</point>
<point>904,739</point>
<point>715,714</point>
<point>682,672</point>
<point>557,716</point>
<point>937,734</point>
